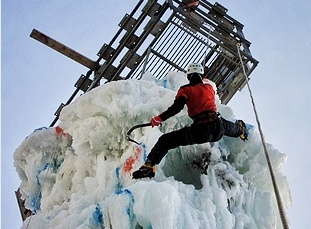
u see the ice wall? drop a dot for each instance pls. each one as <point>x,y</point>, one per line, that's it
<point>78,175</point>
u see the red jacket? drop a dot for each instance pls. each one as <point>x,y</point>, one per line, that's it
<point>199,97</point>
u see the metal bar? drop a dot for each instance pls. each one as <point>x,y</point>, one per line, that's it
<point>157,39</point>
<point>165,40</point>
<point>164,36</point>
<point>204,31</point>
<point>210,7</point>
<point>226,15</point>
<point>194,52</point>
<point>187,51</point>
<point>130,16</point>
<point>71,97</point>
<point>154,58</point>
<point>121,46</point>
<point>133,72</point>
<point>167,60</point>
<point>181,27</point>
<point>142,38</point>
<point>180,39</point>
<point>175,45</point>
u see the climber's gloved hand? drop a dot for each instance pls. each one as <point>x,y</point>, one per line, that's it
<point>155,121</point>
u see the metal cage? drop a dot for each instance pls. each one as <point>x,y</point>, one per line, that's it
<point>162,37</point>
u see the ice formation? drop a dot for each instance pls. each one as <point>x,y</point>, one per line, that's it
<point>78,175</point>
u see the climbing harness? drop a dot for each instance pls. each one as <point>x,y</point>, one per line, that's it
<point>275,187</point>
<point>133,128</point>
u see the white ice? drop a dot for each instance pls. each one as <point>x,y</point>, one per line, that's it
<point>78,175</point>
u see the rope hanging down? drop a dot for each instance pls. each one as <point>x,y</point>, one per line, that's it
<point>275,187</point>
<point>207,44</point>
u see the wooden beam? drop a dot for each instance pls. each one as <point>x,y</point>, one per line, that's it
<point>63,49</point>
<point>21,204</point>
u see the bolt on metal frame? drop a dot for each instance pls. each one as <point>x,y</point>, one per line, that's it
<point>161,37</point>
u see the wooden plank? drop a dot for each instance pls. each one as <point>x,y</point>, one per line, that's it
<point>63,49</point>
<point>21,204</point>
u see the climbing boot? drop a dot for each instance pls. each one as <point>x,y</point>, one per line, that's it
<point>244,134</point>
<point>146,170</point>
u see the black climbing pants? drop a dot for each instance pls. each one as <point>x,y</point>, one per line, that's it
<point>195,134</point>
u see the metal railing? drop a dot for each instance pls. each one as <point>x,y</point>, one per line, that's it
<point>162,37</point>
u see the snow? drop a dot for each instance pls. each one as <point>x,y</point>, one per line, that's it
<point>78,175</point>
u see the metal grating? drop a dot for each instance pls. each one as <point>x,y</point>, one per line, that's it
<point>162,36</point>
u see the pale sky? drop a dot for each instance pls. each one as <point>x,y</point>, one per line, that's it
<point>36,79</point>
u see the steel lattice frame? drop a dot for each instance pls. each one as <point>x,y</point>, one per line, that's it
<point>161,37</point>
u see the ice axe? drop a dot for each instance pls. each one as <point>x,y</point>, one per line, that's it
<point>133,128</point>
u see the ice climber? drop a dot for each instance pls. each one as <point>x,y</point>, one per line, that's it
<point>207,126</point>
